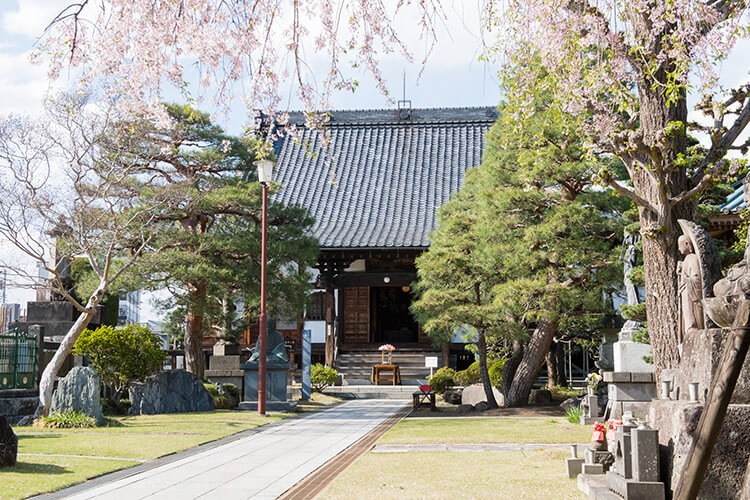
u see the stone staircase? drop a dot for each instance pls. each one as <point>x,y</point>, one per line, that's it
<point>356,364</point>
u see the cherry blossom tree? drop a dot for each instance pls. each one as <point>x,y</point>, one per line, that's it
<point>235,47</point>
<point>629,69</point>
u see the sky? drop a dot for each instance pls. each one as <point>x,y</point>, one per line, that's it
<point>452,77</point>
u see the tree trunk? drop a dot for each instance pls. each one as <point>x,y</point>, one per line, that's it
<point>194,330</point>
<point>509,370</point>
<point>532,361</point>
<point>47,380</point>
<point>483,370</point>
<point>655,178</point>
<point>555,373</point>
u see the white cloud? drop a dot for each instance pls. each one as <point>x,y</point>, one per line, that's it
<point>31,17</point>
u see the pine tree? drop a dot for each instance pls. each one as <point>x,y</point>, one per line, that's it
<point>209,219</point>
<point>523,246</point>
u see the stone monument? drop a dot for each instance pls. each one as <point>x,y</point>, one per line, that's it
<point>277,373</point>
<point>224,365</point>
<point>79,391</point>
<point>685,388</point>
<point>631,385</point>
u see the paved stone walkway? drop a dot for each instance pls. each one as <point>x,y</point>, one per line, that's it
<point>263,465</point>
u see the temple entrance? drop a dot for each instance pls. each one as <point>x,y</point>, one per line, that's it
<point>390,321</point>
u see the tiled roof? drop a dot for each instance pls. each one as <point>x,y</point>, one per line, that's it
<point>378,183</point>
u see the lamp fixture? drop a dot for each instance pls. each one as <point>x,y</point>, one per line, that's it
<point>405,288</point>
<point>387,279</point>
<point>265,171</point>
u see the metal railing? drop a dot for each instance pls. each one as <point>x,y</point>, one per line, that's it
<point>17,360</point>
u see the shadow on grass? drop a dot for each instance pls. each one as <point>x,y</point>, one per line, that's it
<point>36,468</point>
<point>39,435</point>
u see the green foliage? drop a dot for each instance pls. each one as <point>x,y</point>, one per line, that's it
<point>121,354</point>
<point>225,399</point>
<point>636,312</point>
<point>204,186</point>
<point>322,376</point>
<point>641,335</point>
<point>67,419</point>
<point>496,374</point>
<point>525,239</point>
<point>469,376</point>
<point>574,414</point>
<point>443,380</point>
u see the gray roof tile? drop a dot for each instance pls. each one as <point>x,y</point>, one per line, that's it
<point>378,183</point>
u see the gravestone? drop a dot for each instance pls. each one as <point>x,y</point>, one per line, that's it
<point>173,391</point>
<point>224,365</point>
<point>79,390</point>
<point>8,444</point>
<point>630,386</point>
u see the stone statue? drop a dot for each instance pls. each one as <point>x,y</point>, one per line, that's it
<point>275,348</point>
<point>629,260</point>
<point>691,289</point>
<point>697,274</point>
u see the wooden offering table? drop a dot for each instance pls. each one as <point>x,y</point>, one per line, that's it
<point>419,397</point>
<point>395,372</point>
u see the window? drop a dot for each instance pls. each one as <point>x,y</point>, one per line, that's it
<point>317,308</point>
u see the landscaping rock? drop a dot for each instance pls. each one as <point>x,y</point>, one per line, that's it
<point>79,391</point>
<point>173,391</point>
<point>474,394</point>
<point>570,403</point>
<point>541,396</point>
<point>463,409</point>
<point>8,444</point>
<point>452,397</point>
<point>482,406</point>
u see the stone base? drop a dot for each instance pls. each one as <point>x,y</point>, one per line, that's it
<point>630,489</point>
<point>630,392</point>
<point>573,467</point>
<point>234,377</point>
<point>276,382</point>
<point>701,353</point>
<point>593,469</point>
<point>270,406</point>
<point>590,420</point>
<point>677,422</point>
<point>16,404</point>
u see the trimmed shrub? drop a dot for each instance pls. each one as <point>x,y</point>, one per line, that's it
<point>560,393</point>
<point>443,380</point>
<point>226,396</point>
<point>322,376</point>
<point>496,374</point>
<point>468,376</point>
<point>66,419</point>
<point>121,355</point>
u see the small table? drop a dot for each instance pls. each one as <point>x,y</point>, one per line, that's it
<point>395,372</point>
<point>419,397</point>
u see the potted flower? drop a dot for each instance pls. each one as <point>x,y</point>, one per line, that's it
<point>389,349</point>
<point>593,379</point>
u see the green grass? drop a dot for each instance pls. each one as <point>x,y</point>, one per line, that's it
<point>486,430</point>
<point>497,475</point>
<point>33,475</point>
<point>143,437</point>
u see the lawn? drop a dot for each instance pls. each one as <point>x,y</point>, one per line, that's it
<point>490,474</point>
<point>486,430</point>
<point>137,438</point>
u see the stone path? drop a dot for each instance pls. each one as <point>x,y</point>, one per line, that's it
<point>263,465</point>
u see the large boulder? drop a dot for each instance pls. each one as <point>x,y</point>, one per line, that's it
<point>474,394</point>
<point>79,391</point>
<point>173,391</point>
<point>541,396</point>
<point>8,444</point>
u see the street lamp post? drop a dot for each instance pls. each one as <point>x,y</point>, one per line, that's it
<point>265,175</point>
